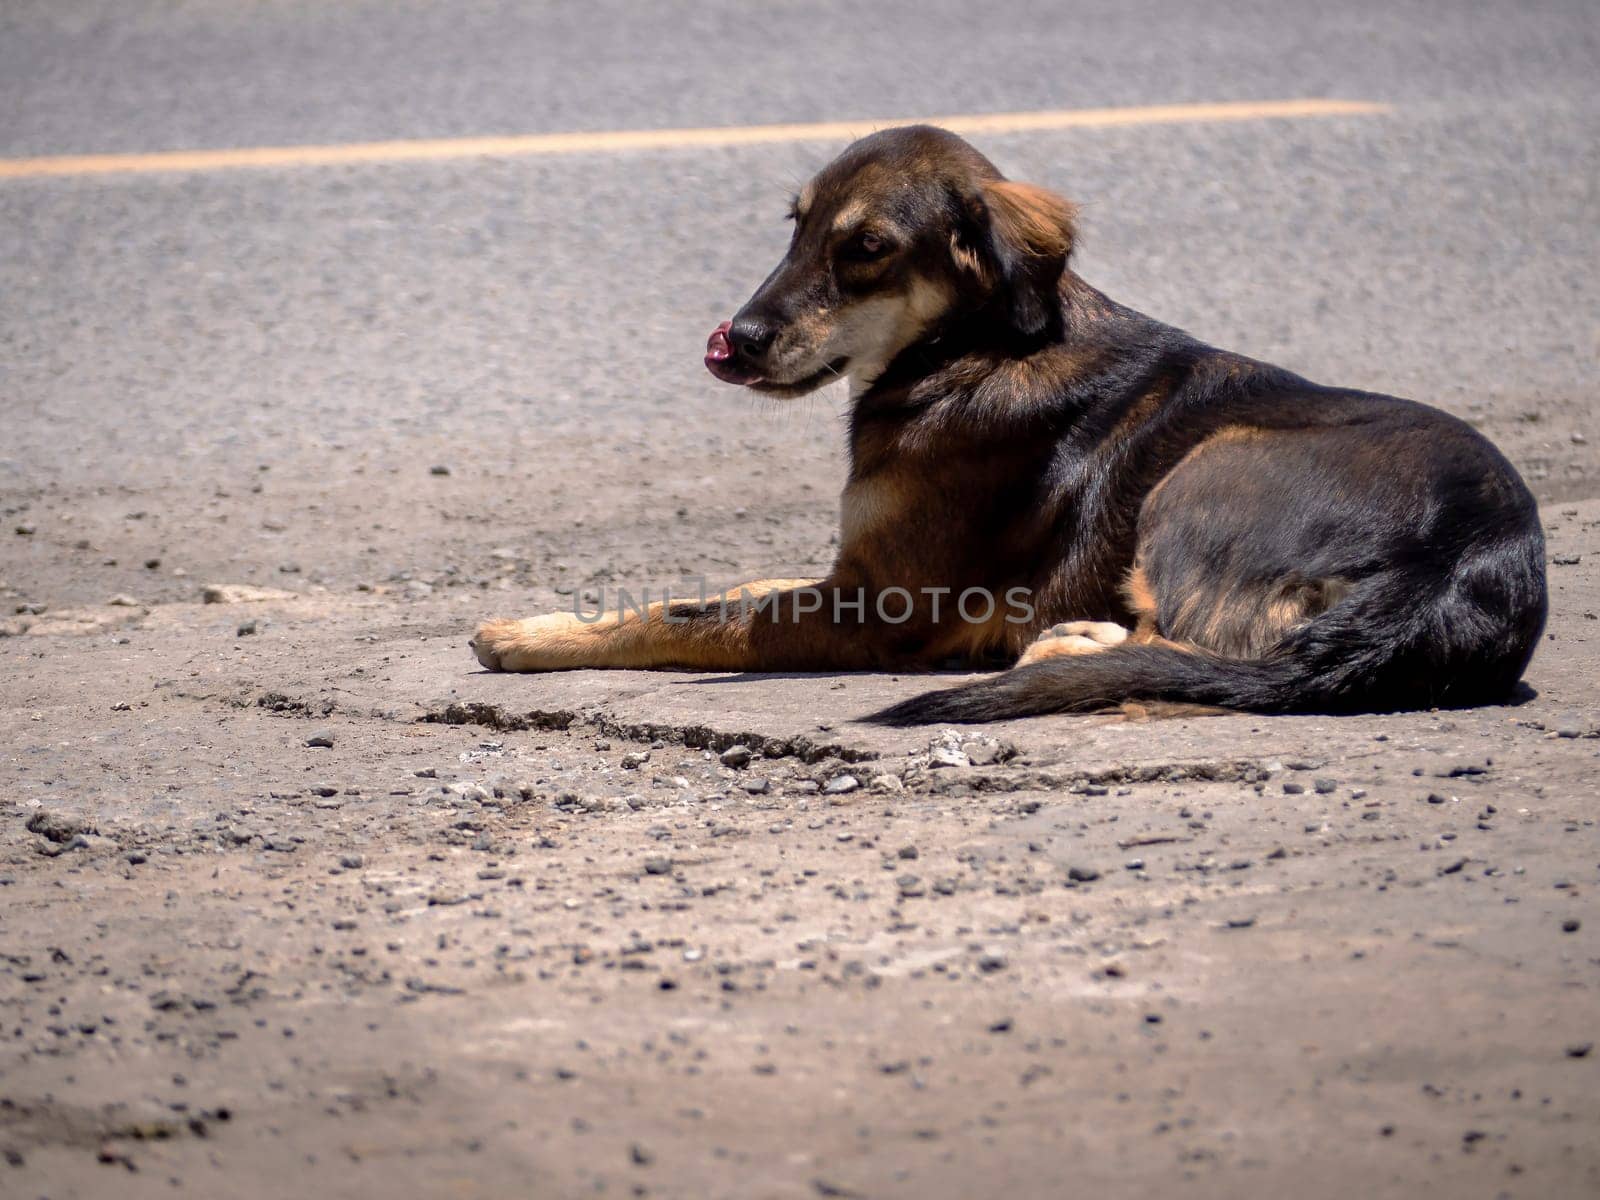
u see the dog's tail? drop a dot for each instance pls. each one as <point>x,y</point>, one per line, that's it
<point>1092,682</point>
<point>1398,641</point>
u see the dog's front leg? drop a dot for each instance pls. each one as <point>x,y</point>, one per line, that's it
<point>773,624</point>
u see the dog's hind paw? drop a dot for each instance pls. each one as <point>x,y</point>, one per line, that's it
<point>1074,637</point>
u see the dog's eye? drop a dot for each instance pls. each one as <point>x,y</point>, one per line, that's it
<point>865,247</point>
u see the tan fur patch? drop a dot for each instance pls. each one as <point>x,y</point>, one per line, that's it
<point>1232,435</point>
<point>966,258</point>
<point>1140,595</point>
<point>561,642</point>
<point>873,331</point>
<point>1031,218</point>
<point>849,215</point>
<point>806,199</point>
<point>1073,638</point>
<point>1297,604</point>
<point>1141,598</point>
<point>869,504</point>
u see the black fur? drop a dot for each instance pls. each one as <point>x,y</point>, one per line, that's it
<point>1434,541</point>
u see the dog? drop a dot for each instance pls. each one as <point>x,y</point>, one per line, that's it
<point>1173,523</point>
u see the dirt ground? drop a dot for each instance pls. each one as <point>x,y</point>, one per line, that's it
<point>295,899</point>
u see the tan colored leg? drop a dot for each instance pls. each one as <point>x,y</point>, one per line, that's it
<point>710,638</point>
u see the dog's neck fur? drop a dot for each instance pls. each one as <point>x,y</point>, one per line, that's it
<point>973,369</point>
<point>976,334</point>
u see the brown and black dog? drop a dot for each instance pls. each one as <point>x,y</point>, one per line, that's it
<point>1041,474</point>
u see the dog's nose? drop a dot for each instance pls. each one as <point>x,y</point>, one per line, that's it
<point>751,337</point>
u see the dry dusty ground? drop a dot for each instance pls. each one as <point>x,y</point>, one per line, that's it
<point>294,901</point>
<point>532,936</point>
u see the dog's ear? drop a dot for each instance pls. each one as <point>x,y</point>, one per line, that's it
<point>1015,238</point>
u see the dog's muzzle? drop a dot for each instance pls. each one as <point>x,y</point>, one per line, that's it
<point>725,362</point>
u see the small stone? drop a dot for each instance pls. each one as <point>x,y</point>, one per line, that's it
<point>122,600</point>
<point>323,789</point>
<point>1082,874</point>
<point>906,852</point>
<point>1324,786</point>
<point>352,862</point>
<point>991,961</point>
<point>983,751</point>
<point>944,750</point>
<point>1290,788</point>
<point>841,785</point>
<point>1566,560</point>
<point>26,530</point>
<point>1580,1050</point>
<point>246,629</point>
<point>757,787</point>
<point>658,865</point>
<point>736,756</point>
<point>635,759</point>
<point>1571,925</point>
<point>887,784</point>
<point>639,1156</point>
<point>55,827</point>
<point>322,740</point>
<point>438,469</point>
<point>242,593</point>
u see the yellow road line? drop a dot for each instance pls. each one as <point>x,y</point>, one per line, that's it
<point>621,140</point>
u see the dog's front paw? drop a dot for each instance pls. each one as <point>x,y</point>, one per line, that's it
<point>492,638</point>
<point>555,642</point>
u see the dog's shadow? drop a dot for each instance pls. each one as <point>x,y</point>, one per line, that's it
<point>769,676</point>
<point>1523,693</point>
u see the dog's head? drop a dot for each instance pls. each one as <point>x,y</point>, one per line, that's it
<point>905,230</point>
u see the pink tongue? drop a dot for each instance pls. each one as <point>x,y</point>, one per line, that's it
<point>717,347</point>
